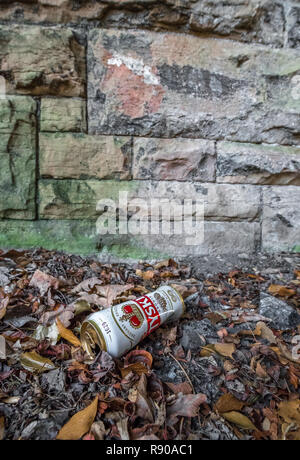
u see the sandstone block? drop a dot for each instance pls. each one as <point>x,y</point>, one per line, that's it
<point>42,61</point>
<point>174,159</point>
<point>281,219</point>
<point>77,199</point>
<point>79,156</point>
<point>258,164</point>
<point>170,85</point>
<point>17,157</point>
<point>63,114</point>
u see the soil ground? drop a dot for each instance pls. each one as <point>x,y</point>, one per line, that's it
<point>228,369</point>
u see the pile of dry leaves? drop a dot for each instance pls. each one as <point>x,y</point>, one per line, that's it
<point>229,369</point>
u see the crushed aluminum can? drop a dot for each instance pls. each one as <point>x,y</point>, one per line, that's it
<point>121,327</point>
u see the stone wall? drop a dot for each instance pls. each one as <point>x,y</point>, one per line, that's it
<point>171,99</point>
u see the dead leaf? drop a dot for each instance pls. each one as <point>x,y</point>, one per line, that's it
<point>43,281</point>
<point>33,362</point>
<point>260,371</point>
<point>293,377</point>
<point>186,405</point>
<point>228,403</point>
<point>81,306</point>
<point>3,306</point>
<point>80,423</point>
<point>64,313</point>
<point>239,419</point>
<point>139,356</point>
<point>137,368</point>
<point>98,430</point>
<point>184,387</point>
<point>290,411</point>
<point>111,291</point>
<point>86,285</point>
<point>225,349</point>
<point>144,405</point>
<point>163,263</point>
<point>1,428</point>
<point>12,400</point>
<point>50,333</point>
<point>208,350</point>
<point>2,347</point>
<point>265,332</point>
<point>67,334</point>
<point>282,291</point>
<point>146,275</point>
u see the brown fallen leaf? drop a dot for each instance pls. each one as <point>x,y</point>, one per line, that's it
<point>294,379</point>
<point>290,411</point>
<point>80,423</point>
<point>265,332</point>
<point>239,419</point>
<point>2,347</point>
<point>111,291</point>
<point>186,405</point>
<point>260,371</point>
<point>208,350</point>
<point>146,275</point>
<point>137,368</point>
<point>184,387</point>
<point>3,306</point>
<point>282,291</point>
<point>225,349</point>
<point>65,314</point>
<point>228,403</point>
<point>67,334</point>
<point>86,285</point>
<point>144,404</point>
<point>43,281</point>
<point>139,356</point>
<point>33,362</point>
<point>1,428</point>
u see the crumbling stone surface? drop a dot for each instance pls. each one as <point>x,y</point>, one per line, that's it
<point>173,100</point>
<point>42,61</point>
<point>17,157</point>
<point>169,85</point>
<point>255,20</point>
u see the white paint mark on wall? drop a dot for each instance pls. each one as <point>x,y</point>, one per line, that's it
<point>137,66</point>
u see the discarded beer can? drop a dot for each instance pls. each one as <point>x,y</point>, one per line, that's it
<point>121,327</point>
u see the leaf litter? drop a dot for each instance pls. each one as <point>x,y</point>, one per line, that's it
<point>224,371</point>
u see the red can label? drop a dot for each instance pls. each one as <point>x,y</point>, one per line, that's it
<point>151,313</point>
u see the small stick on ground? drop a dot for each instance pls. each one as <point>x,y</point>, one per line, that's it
<point>184,371</point>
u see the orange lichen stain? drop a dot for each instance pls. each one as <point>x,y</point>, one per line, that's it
<point>136,97</point>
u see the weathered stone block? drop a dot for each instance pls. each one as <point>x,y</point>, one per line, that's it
<point>281,219</point>
<point>174,159</point>
<point>63,114</point>
<point>42,61</point>
<point>169,85</point>
<point>79,156</point>
<point>254,20</point>
<point>251,20</point>
<point>17,157</point>
<point>219,238</point>
<point>293,26</point>
<point>72,199</point>
<point>77,237</point>
<point>258,164</point>
<point>80,237</point>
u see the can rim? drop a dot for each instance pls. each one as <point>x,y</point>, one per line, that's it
<point>87,340</point>
<point>181,298</point>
